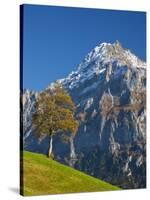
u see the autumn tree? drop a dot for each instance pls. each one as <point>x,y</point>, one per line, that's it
<point>54,112</point>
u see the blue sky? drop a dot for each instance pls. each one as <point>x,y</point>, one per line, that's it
<point>56,39</point>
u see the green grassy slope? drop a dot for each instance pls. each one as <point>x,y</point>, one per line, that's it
<point>45,176</point>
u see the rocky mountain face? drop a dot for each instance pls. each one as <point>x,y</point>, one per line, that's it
<point>109,91</point>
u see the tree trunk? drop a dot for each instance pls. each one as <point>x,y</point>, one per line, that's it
<point>50,150</point>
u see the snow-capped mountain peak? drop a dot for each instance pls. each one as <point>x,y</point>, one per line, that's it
<point>108,53</point>
<point>96,61</point>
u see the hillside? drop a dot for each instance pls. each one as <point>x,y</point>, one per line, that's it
<point>44,176</point>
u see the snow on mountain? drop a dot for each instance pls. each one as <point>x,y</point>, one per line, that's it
<point>28,99</point>
<point>96,61</point>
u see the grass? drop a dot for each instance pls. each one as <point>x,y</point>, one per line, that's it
<point>45,176</point>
